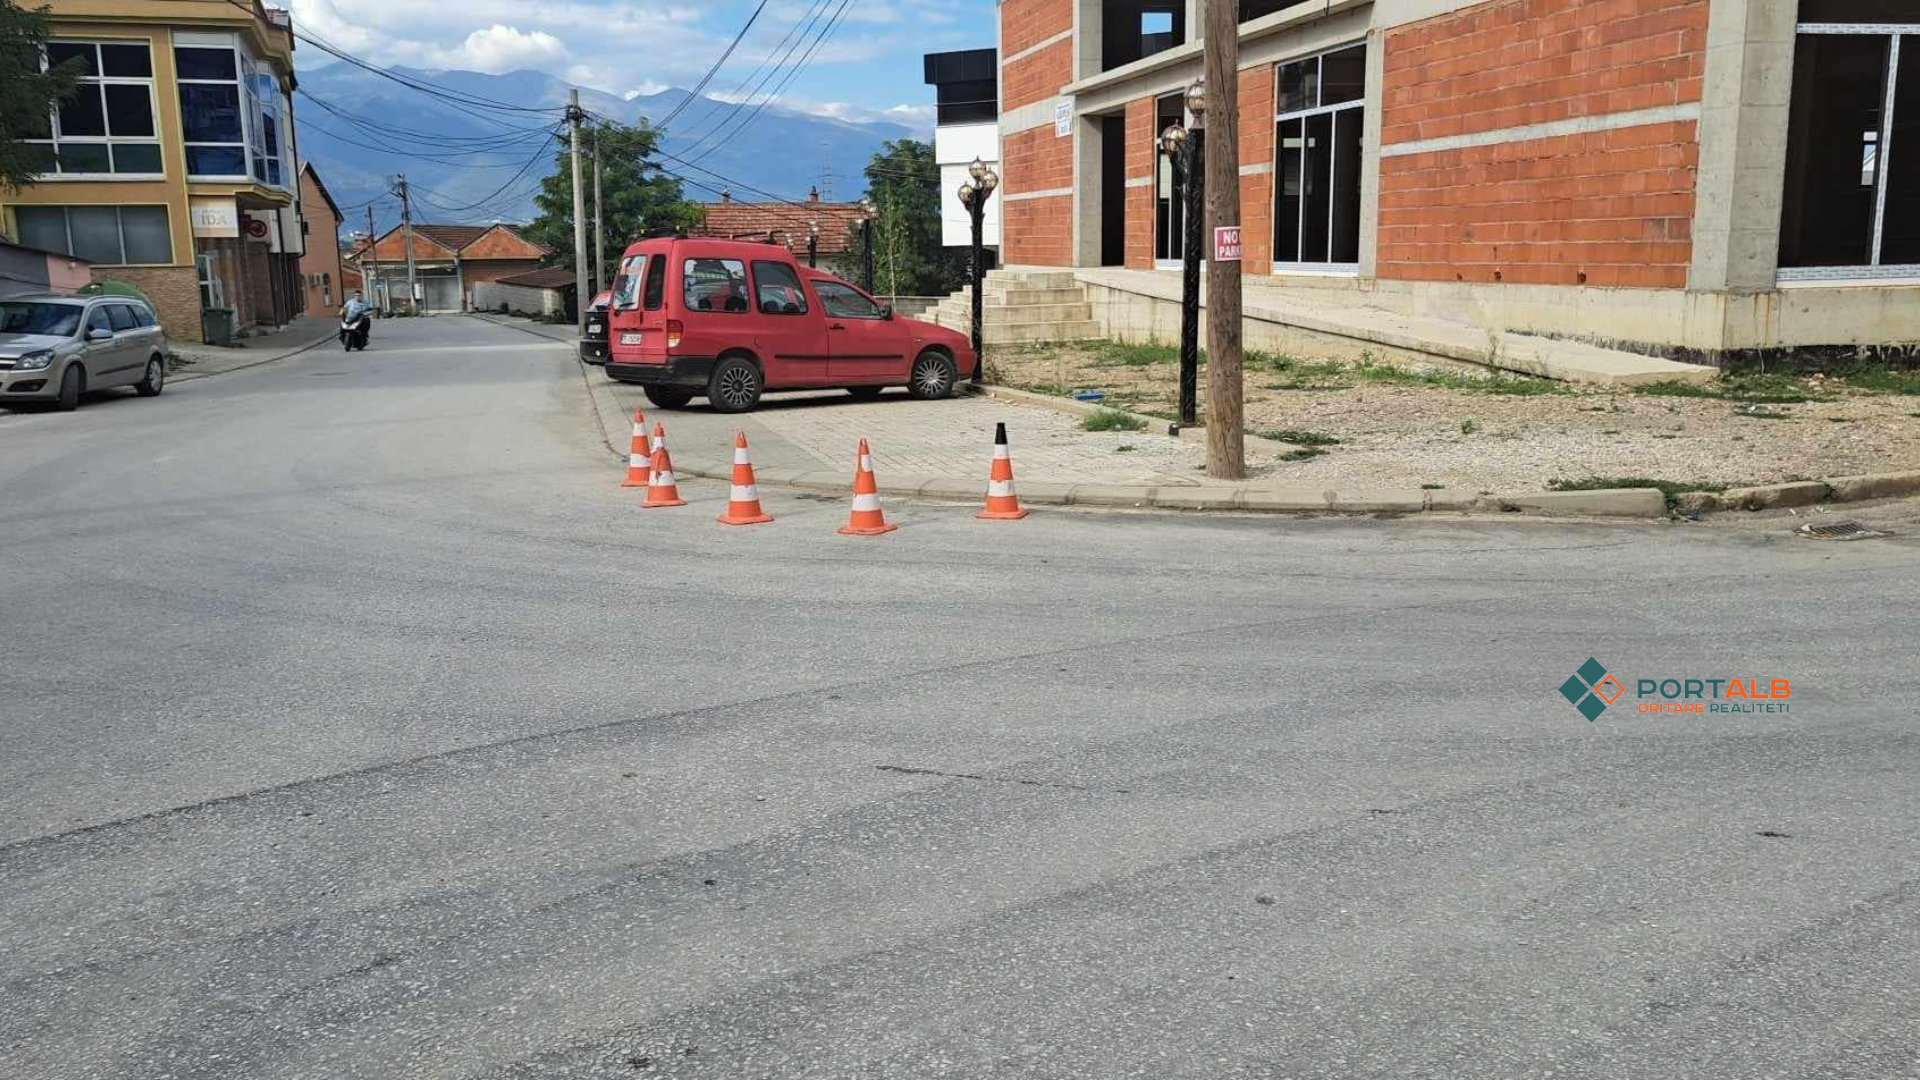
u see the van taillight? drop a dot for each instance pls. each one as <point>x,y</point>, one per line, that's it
<point>674,330</point>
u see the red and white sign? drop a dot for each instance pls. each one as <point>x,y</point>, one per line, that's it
<point>256,228</point>
<point>1226,243</point>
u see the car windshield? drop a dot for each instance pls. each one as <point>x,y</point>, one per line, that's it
<point>58,320</point>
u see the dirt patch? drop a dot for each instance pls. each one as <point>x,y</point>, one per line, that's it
<point>1450,425</point>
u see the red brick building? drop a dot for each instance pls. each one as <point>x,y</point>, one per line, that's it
<point>448,261</point>
<point>320,263</point>
<point>1687,176</point>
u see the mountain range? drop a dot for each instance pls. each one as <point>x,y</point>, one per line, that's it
<point>376,128</point>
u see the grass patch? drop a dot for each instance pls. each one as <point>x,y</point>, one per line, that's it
<point>1751,389</point>
<point>1495,383</point>
<point>1302,454</point>
<point>1670,489</point>
<point>1881,379</point>
<point>1125,354</point>
<point>1300,438</point>
<point>1431,487</point>
<point>1125,448</point>
<point>1468,427</point>
<point>1110,420</point>
<point>1300,374</point>
<point>1841,419</point>
<point>1759,412</point>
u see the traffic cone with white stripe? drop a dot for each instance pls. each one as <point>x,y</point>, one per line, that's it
<point>661,490</point>
<point>639,454</point>
<point>867,520</point>
<point>743,506</point>
<point>1002,503</point>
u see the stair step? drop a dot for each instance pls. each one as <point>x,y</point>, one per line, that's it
<point>1075,330</point>
<point>1014,297</point>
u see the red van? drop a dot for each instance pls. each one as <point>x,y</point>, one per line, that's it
<point>733,318</point>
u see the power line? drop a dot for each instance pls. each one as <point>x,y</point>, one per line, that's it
<point>715,66</point>
<point>792,73</point>
<point>807,18</point>
<point>488,198</point>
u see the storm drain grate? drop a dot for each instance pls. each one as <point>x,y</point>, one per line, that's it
<point>1839,530</point>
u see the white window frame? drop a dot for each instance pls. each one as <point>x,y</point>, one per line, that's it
<point>153,110</point>
<point>1321,269</point>
<point>222,41</point>
<point>120,227</point>
<point>247,74</point>
<point>1874,270</point>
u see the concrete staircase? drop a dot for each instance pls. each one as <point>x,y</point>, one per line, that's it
<point>1023,305</point>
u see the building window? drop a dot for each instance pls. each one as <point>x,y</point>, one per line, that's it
<point>210,116</point>
<point>1135,29</point>
<point>1851,206</point>
<point>103,235</point>
<point>1319,113</point>
<point>107,129</point>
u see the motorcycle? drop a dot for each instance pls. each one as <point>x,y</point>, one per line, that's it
<point>353,332</point>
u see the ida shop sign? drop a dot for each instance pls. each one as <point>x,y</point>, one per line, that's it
<point>1226,243</point>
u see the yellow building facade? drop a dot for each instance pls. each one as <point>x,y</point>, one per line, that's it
<point>174,168</point>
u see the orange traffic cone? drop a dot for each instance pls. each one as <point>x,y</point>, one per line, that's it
<point>661,490</point>
<point>743,506</point>
<point>867,520</point>
<point>1002,503</point>
<point>639,454</point>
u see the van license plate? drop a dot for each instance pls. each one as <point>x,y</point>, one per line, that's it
<point>630,339</point>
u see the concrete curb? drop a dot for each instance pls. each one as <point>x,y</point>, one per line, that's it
<point>1615,503</point>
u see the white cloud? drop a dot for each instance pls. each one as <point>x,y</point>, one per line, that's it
<point>505,48</point>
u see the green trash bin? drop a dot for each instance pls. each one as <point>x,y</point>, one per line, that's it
<point>217,325</point>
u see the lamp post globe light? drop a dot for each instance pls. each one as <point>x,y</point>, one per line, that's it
<point>868,212</point>
<point>974,193</point>
<point>1185,149</point>
<point>813,240</point>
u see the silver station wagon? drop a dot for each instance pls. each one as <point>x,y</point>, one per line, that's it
<point>56,348</point>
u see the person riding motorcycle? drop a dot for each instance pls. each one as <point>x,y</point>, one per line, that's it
<point>356,315</point>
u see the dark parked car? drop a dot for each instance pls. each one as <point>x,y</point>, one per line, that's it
<point>593,344</point>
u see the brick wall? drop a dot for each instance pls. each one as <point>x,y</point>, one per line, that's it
<point>1037,77</point>
<point>495,269</point>
<point>1603,208</point>
<point>1037,232</point>
<point>175,292</point>
<point>1256,191</point>
<point>1025,23</point>
<point>1140,162</point>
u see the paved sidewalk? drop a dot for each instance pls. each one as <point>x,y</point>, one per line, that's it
<point>298,336</point>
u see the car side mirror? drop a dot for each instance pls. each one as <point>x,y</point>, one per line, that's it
<point>887,313</point>
<point>99,335</point>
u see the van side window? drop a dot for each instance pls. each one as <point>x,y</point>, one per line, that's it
<point>842,302</point>
<point>776,289</point>
<point>626,284</point>
<point>656,290</point>
<point>714,285</point>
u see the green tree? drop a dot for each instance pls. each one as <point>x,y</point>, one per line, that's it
<point>908,257</point>
<point>28,95</point>
<point>636,195</point>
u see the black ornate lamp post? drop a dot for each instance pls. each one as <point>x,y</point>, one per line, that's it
<point>1186,148</point>
<point>973,195</point>
<point>813,240</point>
<point>868,212</point>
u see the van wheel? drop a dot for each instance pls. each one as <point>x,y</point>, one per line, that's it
<point>70,381</point>
<point>865,393</point>
<point>932,376</point>
<point>734,386</point>
<point>155,380</point>
<point>669,397</point>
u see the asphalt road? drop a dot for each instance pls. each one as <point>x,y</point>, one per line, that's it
<point>354,723</point>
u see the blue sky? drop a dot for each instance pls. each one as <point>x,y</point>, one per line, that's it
<point>868,68</point>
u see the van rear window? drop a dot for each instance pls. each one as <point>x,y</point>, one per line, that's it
<point>626,285</point>
<point>655,293</point>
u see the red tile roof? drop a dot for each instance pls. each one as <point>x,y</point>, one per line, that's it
<point>550,278</point>
<point>786,222</point>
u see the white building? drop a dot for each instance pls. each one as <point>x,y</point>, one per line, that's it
<point>968,127</point>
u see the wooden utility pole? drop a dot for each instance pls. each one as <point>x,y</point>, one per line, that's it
<point>582,295</point>
<point>1226,442</point>
<point>369,267</point>
<point>406,226</point>
<point>599,224</point>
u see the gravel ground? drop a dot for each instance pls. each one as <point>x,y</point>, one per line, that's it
<point>1392,434</point>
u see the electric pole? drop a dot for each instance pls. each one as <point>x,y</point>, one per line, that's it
<point>369,267</point>
<point>599,223</point>
<point>1226,442</point>
<point>581,297</point>
<point>406,225</point>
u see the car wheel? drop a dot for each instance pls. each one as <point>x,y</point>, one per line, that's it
<point>69,398</point>
<point>669,397</point>
<point>734,386</point>
<point>932,376</point>
<point>155,380</point>
<point>865,393</point>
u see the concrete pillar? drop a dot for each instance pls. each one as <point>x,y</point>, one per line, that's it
<point>1089,138</point>
<point>1743,146</point>
<point>1373,95</point>
<point>1087,29</point>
